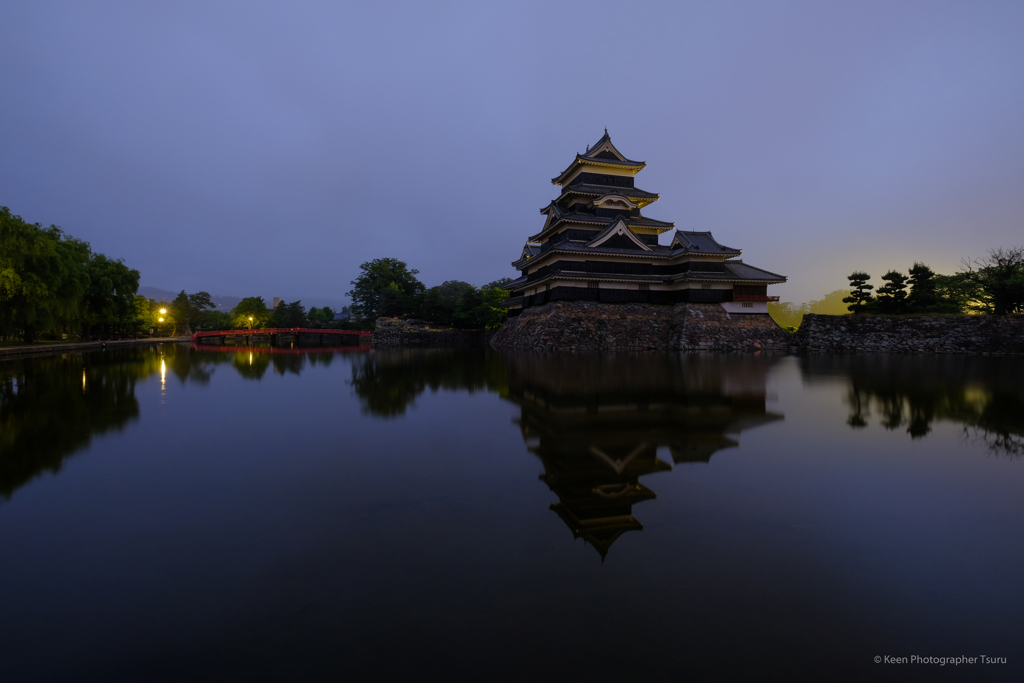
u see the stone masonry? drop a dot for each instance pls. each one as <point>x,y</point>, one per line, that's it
<point>395,332</point>
<point>966,334</point>
<point>592,326</point>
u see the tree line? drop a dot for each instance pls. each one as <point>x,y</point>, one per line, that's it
<point>990,285</point>
<point>386,287</point>
<point>52,285</point>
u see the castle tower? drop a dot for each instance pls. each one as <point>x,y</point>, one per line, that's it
<point>596,245</point>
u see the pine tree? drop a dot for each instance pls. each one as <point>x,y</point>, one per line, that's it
<point>860,293</point>
<point>923,297</point>
<point>892,296</point>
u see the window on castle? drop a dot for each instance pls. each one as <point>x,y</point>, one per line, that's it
<point>746,305</point>
<point>592,284</point>
<point>705,286</point>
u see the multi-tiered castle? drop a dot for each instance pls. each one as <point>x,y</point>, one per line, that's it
<point>597,246</point>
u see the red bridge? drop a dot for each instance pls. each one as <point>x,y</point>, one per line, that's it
<point>278,330</point>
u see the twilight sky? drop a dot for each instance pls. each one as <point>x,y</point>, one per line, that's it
<point>270,148</point>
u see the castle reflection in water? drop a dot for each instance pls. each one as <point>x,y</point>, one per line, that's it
<point>598,424</point>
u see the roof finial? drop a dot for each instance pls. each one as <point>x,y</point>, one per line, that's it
<point>588,146</point>
<point>606,130</point>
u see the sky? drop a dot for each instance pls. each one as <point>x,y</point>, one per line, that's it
<point>268,149</point>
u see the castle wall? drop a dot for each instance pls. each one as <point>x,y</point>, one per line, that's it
<point>394,332</point>
<point>594,326</point>
<point>966,334</point>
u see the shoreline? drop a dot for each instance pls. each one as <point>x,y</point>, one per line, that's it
<point>40,349</point>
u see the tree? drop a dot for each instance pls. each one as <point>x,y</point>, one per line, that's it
<point>860,292</point>
<point>109,301</point>
<point>251,312</point>
<point>492,313</point>
<point>52,283</point>
<point>320,316</point>
<point>386,286</point>
<point>893,294</point>
<point>922,297</point>
<point>188,307</point>
<point>288,315</point>
<point>998,279</point>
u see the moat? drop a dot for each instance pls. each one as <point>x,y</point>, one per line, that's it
<point>205,513</point>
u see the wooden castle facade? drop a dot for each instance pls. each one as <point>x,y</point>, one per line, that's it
<point>597,246</point>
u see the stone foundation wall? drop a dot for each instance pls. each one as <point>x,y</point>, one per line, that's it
<point>392,332</point>
<point>967,334</point>
<point>593,326</point>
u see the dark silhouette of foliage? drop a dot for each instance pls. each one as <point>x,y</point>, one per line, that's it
<point>922,297</point>
<point>385,287</point>
<point>998,281</point>
<point>53,284</point>
<point>860,292</point>
<point>288,315</point>
<point>892,295</point>
<point>187,309</point>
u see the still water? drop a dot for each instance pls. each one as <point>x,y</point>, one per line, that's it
<point>178,513</point>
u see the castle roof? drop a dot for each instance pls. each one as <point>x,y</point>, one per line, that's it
<point>560,217</point>
<point>701,242</point>
<point>602,153</point>
<point>590,189</point>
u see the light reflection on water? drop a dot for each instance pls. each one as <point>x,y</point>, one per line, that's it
<point>303,512</point>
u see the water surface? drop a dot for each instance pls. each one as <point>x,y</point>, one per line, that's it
<point>183,513</point>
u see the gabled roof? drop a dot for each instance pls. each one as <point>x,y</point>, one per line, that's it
<point>619,235</point>
<point>604,149</point>
<point>701,242</point>
<point>530,250</point>
<point>589,219</point>
<point>603,153</point>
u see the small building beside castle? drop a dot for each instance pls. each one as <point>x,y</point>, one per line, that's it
<point>597,247</point>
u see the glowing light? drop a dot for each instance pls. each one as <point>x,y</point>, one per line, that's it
<point>163,311</point>
<point>83,380</point>
<point>250,358</point>
<point>161,319</point>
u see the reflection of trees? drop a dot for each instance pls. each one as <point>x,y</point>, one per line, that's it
<point>389,380</point>
<point>597,422</point>
<point>51,407</point>
<point>252,362</point>
<point>984,394</point>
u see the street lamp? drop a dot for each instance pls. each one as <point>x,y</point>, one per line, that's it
<point>250,322</point>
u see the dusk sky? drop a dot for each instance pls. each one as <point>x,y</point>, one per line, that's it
<point>270,148</point>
